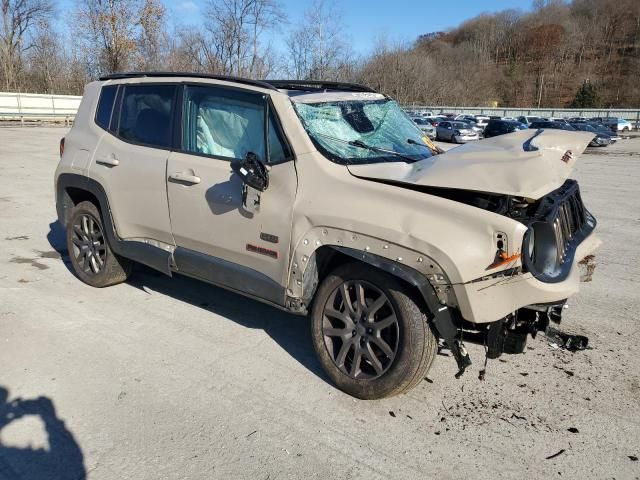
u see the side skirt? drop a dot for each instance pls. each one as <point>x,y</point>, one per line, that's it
<point>229,275</point>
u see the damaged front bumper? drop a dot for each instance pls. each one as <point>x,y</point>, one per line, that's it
<point>487,300</point>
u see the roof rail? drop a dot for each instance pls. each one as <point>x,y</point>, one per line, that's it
<point>307,85</point>
<point>318,85</point>
<point>246,81</point>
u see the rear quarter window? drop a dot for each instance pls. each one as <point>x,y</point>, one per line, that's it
<point>105,106</point>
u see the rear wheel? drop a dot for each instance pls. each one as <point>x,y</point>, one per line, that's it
<point>370,336</point>
<point>92,259</point>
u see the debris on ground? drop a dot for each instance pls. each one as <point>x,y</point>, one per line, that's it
<point>557,454</point>
<point>559,339</point>
<point>573,430</point>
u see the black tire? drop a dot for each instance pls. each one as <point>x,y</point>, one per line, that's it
<point>92,259</point>
<point>412,341</point>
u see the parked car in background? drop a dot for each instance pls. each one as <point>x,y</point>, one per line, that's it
<point>435,120</point>
<point>426,113</point>
<point>600,128</point>
<point>456,132</point>
<point>553,125</point>
<point>617,124</point>
<point>470,119</point>
<point>558,119</point>
<point>600,139</point>
<point>527,119</point>
<point>500,127</point>
<point>481,121</point>
<point>426,127</point>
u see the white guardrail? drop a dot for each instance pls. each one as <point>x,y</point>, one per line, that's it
<point>26,107</point>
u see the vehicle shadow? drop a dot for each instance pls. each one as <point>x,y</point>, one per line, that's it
<point>62,460</point>
<point>291,332</point>
<point>57,238</point>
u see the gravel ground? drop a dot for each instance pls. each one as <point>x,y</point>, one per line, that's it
<point>169,378</point>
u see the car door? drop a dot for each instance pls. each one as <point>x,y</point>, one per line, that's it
<point>444,130</point>
<point>218,238</point>
<point>130,161</point>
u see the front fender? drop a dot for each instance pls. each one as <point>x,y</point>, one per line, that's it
<point>401,261</point>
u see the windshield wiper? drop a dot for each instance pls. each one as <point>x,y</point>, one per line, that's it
<point>361,144</point>
<point>411,141</point>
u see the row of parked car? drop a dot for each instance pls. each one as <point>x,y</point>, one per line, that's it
<point>466,128</point>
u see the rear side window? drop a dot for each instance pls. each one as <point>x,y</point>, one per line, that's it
<point>105,106</point>
<point>145,114</point>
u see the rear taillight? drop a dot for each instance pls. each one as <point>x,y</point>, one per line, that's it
<point>61,146</point>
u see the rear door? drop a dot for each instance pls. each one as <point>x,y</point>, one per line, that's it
<point>131,161</point>
<point>217,238</point>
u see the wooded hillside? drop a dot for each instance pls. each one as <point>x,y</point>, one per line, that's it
<point>580,52</point>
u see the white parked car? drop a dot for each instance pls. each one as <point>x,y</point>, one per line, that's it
<point>426,127</point>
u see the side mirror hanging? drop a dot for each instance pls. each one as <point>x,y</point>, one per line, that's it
<point>255,180</point>
<point>252,172</point>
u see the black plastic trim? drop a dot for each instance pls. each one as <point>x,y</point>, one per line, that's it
<point>319,85</point>
<point>226,78</point>
<point>546,214</point>
<point>229,275</point>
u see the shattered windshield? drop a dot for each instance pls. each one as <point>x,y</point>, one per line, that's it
<point>363,131</point>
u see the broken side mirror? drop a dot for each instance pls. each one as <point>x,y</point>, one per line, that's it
<point>255,180</point>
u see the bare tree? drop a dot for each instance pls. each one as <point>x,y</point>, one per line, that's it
<point>120,34</point>
<point>235,28</point>
<point>19,17</point>
<point>318,48</point>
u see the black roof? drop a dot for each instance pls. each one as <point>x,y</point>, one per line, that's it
<point>304,85</point>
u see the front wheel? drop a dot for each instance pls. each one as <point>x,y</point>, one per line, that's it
<point>370,336</point>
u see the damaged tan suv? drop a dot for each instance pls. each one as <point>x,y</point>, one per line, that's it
<point>324,199</point>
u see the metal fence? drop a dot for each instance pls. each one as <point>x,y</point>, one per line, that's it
<point>25,107</point>
<point>628,114</point>
<point>62,108</point>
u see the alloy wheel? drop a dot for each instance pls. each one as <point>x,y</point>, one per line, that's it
<point>360,329</point>
<point>89,248</point>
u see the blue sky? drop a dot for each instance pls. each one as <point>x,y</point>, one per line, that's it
<point>364,20</point>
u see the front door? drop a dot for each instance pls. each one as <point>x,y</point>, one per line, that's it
<point>218,239</point>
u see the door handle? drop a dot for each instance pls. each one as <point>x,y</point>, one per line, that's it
<point>110,161</point>
<point>185,178</point>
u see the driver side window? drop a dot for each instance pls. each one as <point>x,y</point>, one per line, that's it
<point>228,124</point>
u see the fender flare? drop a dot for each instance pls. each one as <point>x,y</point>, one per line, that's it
<point>141,252</point>
<point>413,267</point>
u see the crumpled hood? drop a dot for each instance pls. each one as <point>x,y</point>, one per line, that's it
<point>527,163</point>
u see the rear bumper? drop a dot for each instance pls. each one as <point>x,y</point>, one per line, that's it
<point>490,300</point>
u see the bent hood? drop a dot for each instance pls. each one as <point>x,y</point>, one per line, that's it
<point>527,163</point>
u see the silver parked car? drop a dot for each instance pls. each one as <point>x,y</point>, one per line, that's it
<point>456,132</point>
<point>426,127</point>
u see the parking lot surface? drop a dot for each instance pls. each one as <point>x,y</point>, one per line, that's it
<point>162,378</point>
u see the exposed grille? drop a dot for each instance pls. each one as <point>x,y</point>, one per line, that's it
<point>569,219</point>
